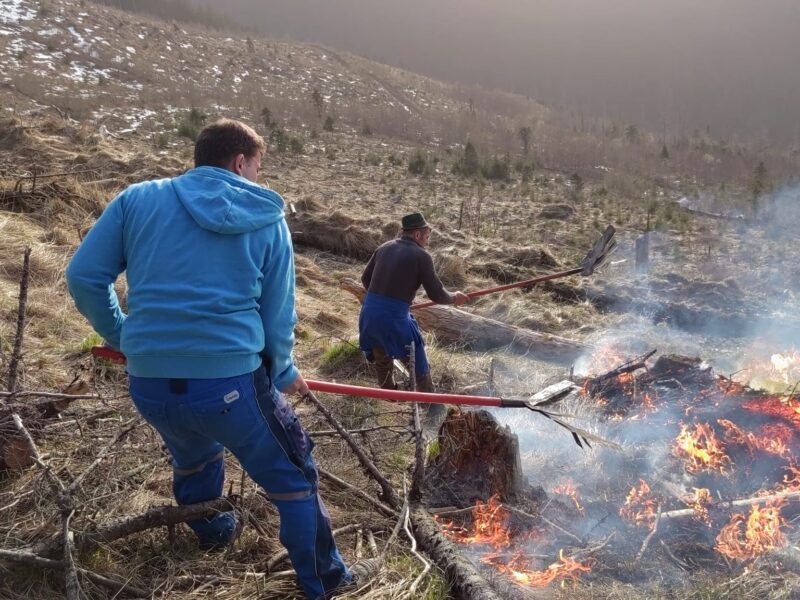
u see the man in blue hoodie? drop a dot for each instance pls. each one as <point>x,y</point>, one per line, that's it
<point>208,335</point>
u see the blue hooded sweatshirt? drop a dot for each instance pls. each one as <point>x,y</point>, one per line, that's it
<point>210,271</point>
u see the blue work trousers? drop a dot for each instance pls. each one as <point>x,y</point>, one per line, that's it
<point>198,418</point>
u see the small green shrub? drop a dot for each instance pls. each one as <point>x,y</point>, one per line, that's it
<point>279,139</point>
<point>497,169</point>
<point>418,164</point>
<point>92,340</point>
<point>161,140</point>
<point>296,146</point>
<point>468,164</point>
<point>191,123</point>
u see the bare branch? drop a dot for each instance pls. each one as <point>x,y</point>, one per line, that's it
<point>360,493</point>
<point>16,353</point>
<point>124,430</point>
<point>389,493</point>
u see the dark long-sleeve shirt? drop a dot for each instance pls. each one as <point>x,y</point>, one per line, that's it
<point>398,268</point>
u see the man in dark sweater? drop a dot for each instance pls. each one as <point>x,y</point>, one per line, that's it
<point>392,277</point>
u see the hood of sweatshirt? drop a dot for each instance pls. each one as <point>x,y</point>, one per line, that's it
<point>223,202</point>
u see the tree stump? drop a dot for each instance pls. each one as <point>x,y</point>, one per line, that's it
<point>476,459</point>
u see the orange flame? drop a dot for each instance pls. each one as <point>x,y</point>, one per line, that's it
<point>791,482</point>
<point>519,569</point>
<point>568,489</point>
<point>774,442</point>
<point>760,532</point>
<point>785,407</point>
<point>702,448</point>
<point>605,359</point>
<point>489,525</point>
<point>639,507</point>
<point>700,502</point>
<point>625,378</point>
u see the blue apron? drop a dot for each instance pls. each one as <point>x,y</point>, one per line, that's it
<point>387,323</point>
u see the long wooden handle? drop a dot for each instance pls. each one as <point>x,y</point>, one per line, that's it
<point>508,286</point>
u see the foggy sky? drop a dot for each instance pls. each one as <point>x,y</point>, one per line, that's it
<point>731,65</point>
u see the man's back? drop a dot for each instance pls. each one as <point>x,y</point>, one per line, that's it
<point>196,250</point>
<point>398,268</point>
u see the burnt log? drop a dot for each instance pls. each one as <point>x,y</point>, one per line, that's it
<point>464,579</point>
<point>453,326</point>
<point>476,459</point>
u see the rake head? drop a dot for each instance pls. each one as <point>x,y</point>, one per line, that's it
<point>600,252</point>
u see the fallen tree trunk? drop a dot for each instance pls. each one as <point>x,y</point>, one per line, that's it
<point>732,504</point>
<point>453,326</point>
<point>159,516</point>
<point>464,579</point>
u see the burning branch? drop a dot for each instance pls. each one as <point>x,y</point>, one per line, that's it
<point>690,512</point>
<point>639,507</point>
<point>596,384</point>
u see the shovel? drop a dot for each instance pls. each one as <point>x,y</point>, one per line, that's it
<point>535,403</point>
<point>594,259</point>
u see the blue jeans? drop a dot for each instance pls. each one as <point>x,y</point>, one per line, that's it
<point>198,418</point>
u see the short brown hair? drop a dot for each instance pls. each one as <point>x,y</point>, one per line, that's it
<point>219,142</point>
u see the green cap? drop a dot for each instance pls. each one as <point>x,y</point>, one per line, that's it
<point>414,221</point>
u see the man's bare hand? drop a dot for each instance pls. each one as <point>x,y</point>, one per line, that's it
<point>298,386</point>
<point>460,298</point>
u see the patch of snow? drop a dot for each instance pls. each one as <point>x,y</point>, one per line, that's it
<point>79,72</point>
<point>136,118</point>
<point>14,11</point>
<point>47,59</point>
<point>130,49</point>
<point>49,32</point>
<point>80,41</point>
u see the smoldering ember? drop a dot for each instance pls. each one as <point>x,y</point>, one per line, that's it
<point>600,400</point>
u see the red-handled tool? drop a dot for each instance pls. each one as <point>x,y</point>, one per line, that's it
<point>428,398</point>
<point>535,403</point>
<point>109,354</point>
<point>595,259</point>
<point>118,357</point>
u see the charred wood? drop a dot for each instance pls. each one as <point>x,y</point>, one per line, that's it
<point>477,458</point>
<point>464,579</point>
